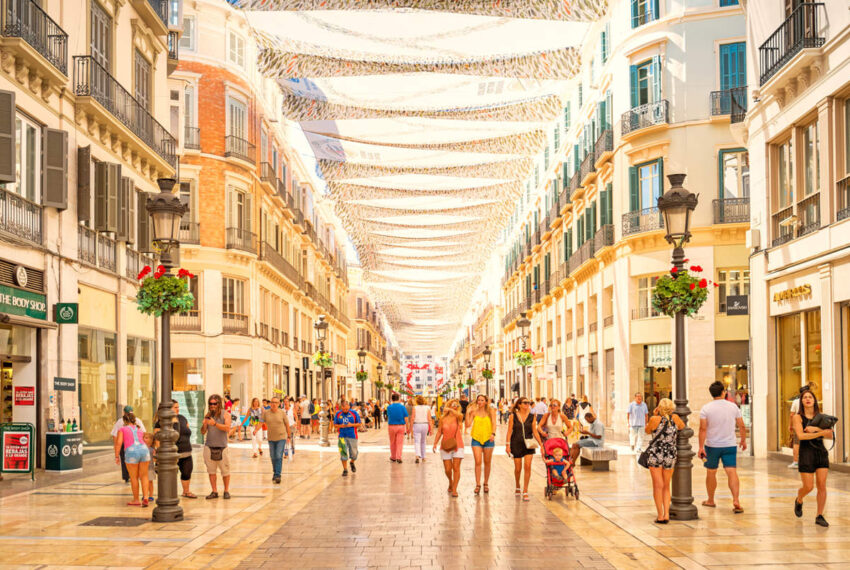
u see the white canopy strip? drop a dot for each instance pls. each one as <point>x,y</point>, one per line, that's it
<point>527,144</point>
<point>515,169</point>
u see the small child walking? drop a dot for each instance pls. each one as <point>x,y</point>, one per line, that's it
<point>152,445</point>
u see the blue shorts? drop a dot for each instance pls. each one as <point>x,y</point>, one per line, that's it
<point>136,453</point>
<point>489,444</point>
<point>729,455</point>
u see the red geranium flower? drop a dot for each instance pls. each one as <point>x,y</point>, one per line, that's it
<point>160,269</point>
<point>716,285</point>
<point>674,270</point>
<point>145,270</point>
<point>703,283</point>
<point>693,286</point>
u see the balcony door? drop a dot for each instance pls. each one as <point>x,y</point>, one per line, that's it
<point>733,65</point>
<point>646,82</point>
<point>237,118</point>
<point>101,35</point>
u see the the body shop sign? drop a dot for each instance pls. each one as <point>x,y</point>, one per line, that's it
<point>16,444</point>
<point>24,303</point>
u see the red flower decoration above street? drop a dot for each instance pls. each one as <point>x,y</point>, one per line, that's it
<point>145,270</point>
<point>693,286</point>
<point>674,270</point>
<point>185,273</point>
<point>703,283</point>
<point>696,268</point>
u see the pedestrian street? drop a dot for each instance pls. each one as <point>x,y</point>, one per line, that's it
<point>399,515</point>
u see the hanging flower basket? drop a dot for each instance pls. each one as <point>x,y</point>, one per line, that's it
<point>470,382</point>
<point>524,357</point>
<point>487,374</point>
<point>682,290</point>
<point>162,293</point>
<point>362,376</point>
<point>379,384</point>
<point>323,360</point>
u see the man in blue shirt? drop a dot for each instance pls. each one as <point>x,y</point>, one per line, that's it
<point>638,416</point>
<point>347,421</point>
<point>398,419</point>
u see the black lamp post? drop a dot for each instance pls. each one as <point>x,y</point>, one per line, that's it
<point>380,375</point>
<point>676,205</point>
<point>321,327</point>
<point>361,356</point>
<point>166,210</point>
<point>469,377</point>
<point>487,353</point>
<point>523,323</point>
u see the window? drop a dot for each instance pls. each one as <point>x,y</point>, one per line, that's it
<point>233,297</point>
<point>728,3</point>
<point>239,210</point>
<point>643,12</point>
<point>237,118</point>
<point>190,106</point>
<point>101,35</point>
<point>811,159</point>
<point>605,42</point>
<point>142,78</point>
<point>187,40</point>
<point>236,52</point>
<point>783,195</point>
<point>645,310</point>
<point>646,185</point>
<point>733,65</point>
<point>28,153</point>
<point>646,82</point>
<point>731,282</point>
<point>734,174</point>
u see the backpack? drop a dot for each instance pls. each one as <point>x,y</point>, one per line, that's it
<point>312,408</point>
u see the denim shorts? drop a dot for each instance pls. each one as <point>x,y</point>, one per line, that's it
<point>136,453</point>
<point>490,443</point>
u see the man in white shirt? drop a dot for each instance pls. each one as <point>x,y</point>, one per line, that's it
<point>638,415</point>
<point>539,409</point>
<point>717,422</point>
<point>114,433</point>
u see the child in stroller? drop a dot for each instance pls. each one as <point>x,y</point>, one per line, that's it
<point>559,469</point>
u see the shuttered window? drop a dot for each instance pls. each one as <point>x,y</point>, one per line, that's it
<point>27,159</point>
<point>646,82</point>
<point>7,137</point>
<point>107,181</point>
<point>126,211</point>
<point>84,177</point>
<point>142,79</point>
<point>54,169</point>
<point>645,185</point>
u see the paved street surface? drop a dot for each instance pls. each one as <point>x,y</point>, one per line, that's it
<point>392,516</point>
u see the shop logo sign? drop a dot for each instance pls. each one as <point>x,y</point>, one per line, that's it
<point>21,277</point>
<point>792,293</point>
<point>66,313</point>
<point>23,303</point>
<point>66,450</point>
<point>52,450</point>
<point>737,305</point>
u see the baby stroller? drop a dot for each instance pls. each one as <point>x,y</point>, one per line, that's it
<point>559,474</point>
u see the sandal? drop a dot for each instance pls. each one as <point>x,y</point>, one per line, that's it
<point>709,505</point>
<point>737,509</point>
<point>212,495</point>
<point>525,497</point>
<point>518,492</point>
<point>134,504</point>
<point>486,488</point>
<point>477,489</point>
<point>145,502</point>
<point>190,495</point>
<point>454,494</point>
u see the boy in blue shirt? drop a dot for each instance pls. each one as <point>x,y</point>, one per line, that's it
<point>347,421</point>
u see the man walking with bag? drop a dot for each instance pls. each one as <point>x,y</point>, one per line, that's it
<point>717,422</point>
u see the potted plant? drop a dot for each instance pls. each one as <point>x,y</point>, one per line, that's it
<point>323,359</point>
<point>163,292</point>
<point>362,376</point>
<point>682,290</point>
<point>487,374</point>
<point>524,357</point>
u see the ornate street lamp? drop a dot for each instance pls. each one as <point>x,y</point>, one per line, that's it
<point>487,353</point>
<point>380,374</point>
<point>469,377</point>
<point>677,205</point>
<point>166,210</point>
<point>361,356</point>
<point>523,323</point>
<point>321,328</point>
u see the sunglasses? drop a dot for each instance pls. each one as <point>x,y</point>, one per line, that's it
<point>521,403</point>
<point>212,403</point>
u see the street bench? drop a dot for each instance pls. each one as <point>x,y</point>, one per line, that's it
<point>598,457</point>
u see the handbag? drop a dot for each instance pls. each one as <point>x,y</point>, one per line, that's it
<point>530,442</point>
<point>449,444</point>
<point>643,460</point>
<point>216,453</point>
<point>823,421</point>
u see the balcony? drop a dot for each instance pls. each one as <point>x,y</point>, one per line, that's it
<point>536,237</point>
<point>783,228</point>
<point>842,189</point>
<point>646,220</point>
<point>267,174</point>
<point>20,217</point>
<point>583,253</point>
<point>603,237</point>
<point>608,321</point>
<point>173,50</point>
<point>732,102</point>
<point>188,321</point>
<point>645,116</point>
<point>91,80</point>
<point>192,138</point>
<point>603,148</point>
<point>283,194</point>
<point>587,170</point>
<point>234,323</point>
<point>809,212</point>
<point>555,211</point>
<point>154,13</point>
<point>645,313</point>
<point>25,20</point>
<point>799,31</point>
<point>732,211</point>
<point>97,249</point>
<point>190,232</point>
<point>276,260</point>
<point>135,262</point>
<point>240,148</point>
<point>237,238</point>
<point>593,327</point>
<point>575,187</point>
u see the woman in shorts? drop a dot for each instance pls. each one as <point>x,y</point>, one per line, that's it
<point>451,427</point>
<point>136,456</point>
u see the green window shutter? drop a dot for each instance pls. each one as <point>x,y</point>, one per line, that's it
<point>54,168</point>
<point>8,160</point>
<point>659,189</point>
<point>84,184</point>
<point>635,20</point>
<point>656,77</point>
<point>567,117</point>
<point>570,243</point>
<point>634,190</point>
<point>633,81</point>
<point>609,109</point>
<point>609,203</point>
<point>656,12</point>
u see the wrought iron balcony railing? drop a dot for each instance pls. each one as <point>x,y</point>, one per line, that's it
<point>192,138</point>
<point>603,237</point>
<point>188,321</point>
<point>173,45</point>
<point>604,144</point>
<point>588,166</point>
<point>645,220</point>
<point>27,20</point>
<point>731,210</point>
<point>809,212</point>
<point>234,322</point>
<point>91,79</point>
<point>237,238</point>
<point>20,217</point>
<point>645,116</point>
<point>842,188</point>
<point>190,232</point>
<point>267,174</point>
<point>799,31</point>
<point>136,261</point>
<point>729,102</point>
<point>240,148</point>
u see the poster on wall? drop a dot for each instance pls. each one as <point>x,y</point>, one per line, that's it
<point>16,443</point>
<point>24,395</point>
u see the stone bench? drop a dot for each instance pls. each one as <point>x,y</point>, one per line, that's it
<point>598,457</point>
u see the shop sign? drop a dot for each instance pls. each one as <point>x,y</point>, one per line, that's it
<point>737,305</point>
<point>64,384</point>
<point>659,355</point>
<point>24,395</point>
<point>24,303</point>
<point>793,293</point>
<point>66,313</point>
<point>16,443</point>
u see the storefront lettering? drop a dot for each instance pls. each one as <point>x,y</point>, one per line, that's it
<point>792,293</point>
<point>24,303</point>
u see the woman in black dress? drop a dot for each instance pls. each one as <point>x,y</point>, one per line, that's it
<point>813,464</point>
<point>521,427</point>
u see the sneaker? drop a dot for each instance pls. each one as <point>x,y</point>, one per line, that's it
<point>417,460</point>
<point>792,465</point>
<point>798,508</point>
<point>353,467</point>
<point>398,460</point>
<point>345,472</point>
<point>226,495</point>
<point>820,521</point>
<point>276,480</point>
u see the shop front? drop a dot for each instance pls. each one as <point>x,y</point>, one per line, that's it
<point>657,373</point>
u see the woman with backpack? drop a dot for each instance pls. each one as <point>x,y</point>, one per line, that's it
<point>450,439</point>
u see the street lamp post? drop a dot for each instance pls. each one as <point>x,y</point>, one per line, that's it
<point>469,377</point>
<point>676,205</point>
<point>321,334</point>
<point>487,353</point>
<point>380,374</point>
<point>361,356</point>
<point>166,210</point>
<point>523,323</point>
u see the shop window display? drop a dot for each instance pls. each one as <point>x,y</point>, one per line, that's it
<point>98,387</point>
<point>141,378</point>
<point>799,362</point>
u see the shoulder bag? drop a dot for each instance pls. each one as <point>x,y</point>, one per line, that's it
<point>449,444</point>
<point>530,442</point>
<point>643,460</point>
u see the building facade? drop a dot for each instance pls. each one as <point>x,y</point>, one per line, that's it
<point>83,98</point>
<point>798,134</point>
<point>659,88</point>
<point>423,374</point>
<point>263,248</point>
<point>367,334</point>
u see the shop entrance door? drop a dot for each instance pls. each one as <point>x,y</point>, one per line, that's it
<point>657,385</point>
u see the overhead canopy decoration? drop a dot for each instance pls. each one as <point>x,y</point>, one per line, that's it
<point>427,119</point>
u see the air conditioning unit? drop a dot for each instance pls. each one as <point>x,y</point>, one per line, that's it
<point>753,239</point>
